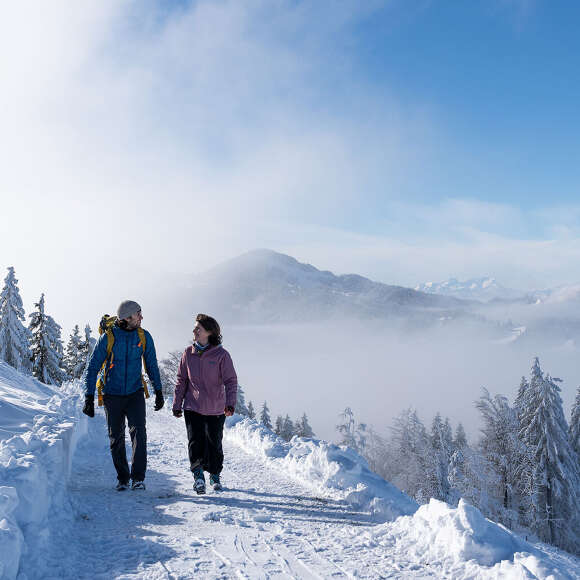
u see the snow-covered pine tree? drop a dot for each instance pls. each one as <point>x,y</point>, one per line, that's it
<point>168,368</point>
<point>265,416</point>
<point>251,411</point>
<point>502,448</point>
<point>86,348</point>
<point>72,362</point>
<point>14,336</point>
<point>556,477</point>
<point>302,427</point>
<point>46,346</point>
<point>441,442</point>
<point>287,431</point>
<point>278,425</point>
<point>241,408</point>
<point>409,455</point>
<point>575,424</point>
<point>346,428</point>
<point>460,439</point>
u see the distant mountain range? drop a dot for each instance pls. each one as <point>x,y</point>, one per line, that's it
<point>482,289</point>
<point>264,286</point>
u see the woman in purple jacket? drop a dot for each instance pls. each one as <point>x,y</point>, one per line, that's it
<point>206,390</point>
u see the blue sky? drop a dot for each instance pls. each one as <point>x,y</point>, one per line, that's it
<point>405,141</point>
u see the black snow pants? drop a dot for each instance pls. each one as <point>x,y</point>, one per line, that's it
<point>117,409</point>
<point>204,435</point>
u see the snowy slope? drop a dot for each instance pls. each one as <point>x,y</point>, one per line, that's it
<point>305,509</point>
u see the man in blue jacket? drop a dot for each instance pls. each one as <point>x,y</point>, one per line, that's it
<point>123,394</point>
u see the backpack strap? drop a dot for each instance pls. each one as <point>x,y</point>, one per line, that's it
<point>106,366</point>
<point>143,343</point>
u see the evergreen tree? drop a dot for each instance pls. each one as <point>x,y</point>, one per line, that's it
<point>347,428</point>
<point>168,368</point>
<point>265,416</point>
<point>287,431</point>
<point>460,439</point>
<point>14,336</point>
<point>555,470</point>
<point>241,408</point>
<point>47,352</point>
<point>86,349</point>
<point>302,428</point>
<point>251,412</point>
<point>441,442</point>
<point>502,448</point>
<point>575,425</point>
<point>410,456</point>
<point>73,363</point>
<point>278,425</point>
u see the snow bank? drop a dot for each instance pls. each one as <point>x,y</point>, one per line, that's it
<point>39,429</point>
<point>330,470</point>
<point>466,545</point>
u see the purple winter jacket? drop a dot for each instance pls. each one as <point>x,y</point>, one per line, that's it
<point>201,379</point>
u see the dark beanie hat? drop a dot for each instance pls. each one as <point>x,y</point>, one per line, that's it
<point>127,308</point>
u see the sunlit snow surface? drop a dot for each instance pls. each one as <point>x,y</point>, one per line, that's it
<point>306,509</point>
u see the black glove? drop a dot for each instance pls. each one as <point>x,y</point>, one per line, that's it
<point>229,411</point>
<point>89,408</point>
<point>159,401</point>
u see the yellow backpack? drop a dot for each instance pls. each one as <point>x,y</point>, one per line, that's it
<point>106,327</point>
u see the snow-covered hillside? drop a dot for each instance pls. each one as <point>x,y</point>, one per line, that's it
<point>304,509</point>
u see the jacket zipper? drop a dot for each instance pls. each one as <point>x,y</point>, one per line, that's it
<point>126,362</point>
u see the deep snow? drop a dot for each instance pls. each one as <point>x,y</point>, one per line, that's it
<point>305,509</point>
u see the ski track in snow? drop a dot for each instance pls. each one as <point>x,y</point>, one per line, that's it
<point>263,525</point>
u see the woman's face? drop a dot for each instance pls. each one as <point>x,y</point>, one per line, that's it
<point>200,334</point>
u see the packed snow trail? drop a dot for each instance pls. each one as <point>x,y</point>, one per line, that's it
<point>263,525</point>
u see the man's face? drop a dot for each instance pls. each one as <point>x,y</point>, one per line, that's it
<point>134,321</point>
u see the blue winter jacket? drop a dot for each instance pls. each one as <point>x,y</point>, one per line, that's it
<point>124,377</point>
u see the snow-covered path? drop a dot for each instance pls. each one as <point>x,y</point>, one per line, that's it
<point>263,525</point>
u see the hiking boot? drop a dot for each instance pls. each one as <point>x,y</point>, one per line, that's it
<point>214,481</point>
<point>199,481</point>
<point>138,485</point>
<point>122,485</point>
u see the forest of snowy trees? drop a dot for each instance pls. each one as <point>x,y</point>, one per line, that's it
<point>38,348</point>
<point>523,471</point>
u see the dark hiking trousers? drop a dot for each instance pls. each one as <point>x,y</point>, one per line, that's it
<point>117,409</point>
<point>204,435</point>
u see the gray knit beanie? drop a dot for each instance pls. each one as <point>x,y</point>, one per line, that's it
<point>127,308</point>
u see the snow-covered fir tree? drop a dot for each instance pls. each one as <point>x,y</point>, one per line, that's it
<point>555,472</point>
<point>241,408</point>
<point>575,425</point>
<point>442,445</point>
<point>251,411</point>
<point>168,368</point>
<point>410,456</point>
<point>14,336</point>
<point>46,346</point>
<point>287,431</point>
<point>73,362</point>
<point>502,448</point>
<point>265,416</point>
<point>460,439</point>
<point>352,433</point>
<point>278,425</point>
<point>302,427</point>
<point>86,348</point>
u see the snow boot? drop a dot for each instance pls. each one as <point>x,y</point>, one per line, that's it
<point>138,485</point>
<point>214,481</point>
<point>122,485</point>
<point>199,481</point>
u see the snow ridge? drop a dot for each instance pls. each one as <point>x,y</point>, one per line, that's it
<point>329,470</point>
